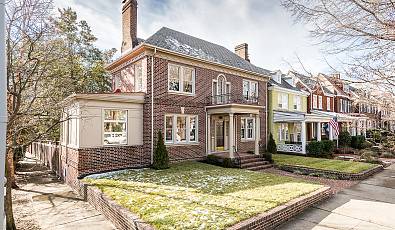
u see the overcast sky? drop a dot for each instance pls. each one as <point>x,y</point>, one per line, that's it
<point>273,37</point>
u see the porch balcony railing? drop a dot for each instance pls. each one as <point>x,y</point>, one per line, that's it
<point>290,148</point>
<point>231,99</point>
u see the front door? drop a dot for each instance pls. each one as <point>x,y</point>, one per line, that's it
<point>219,135</point>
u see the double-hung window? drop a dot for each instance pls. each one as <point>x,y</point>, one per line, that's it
<point>181,129</point>
<point>181,79</point>
<point>247,128</point>
<point>328,103</point>
<point>115,127</point>
<point>297,102</point>
<point>250,90</point>
<point>283,101</point>
<point>315,99</point>
<point>283,132</point>
<point>320,102</point>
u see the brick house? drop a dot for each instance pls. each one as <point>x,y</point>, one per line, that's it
<point>203,97</point>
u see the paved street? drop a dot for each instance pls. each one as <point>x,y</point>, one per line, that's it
<point>369,205</point>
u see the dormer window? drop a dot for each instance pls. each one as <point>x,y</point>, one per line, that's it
<point>277,77</point>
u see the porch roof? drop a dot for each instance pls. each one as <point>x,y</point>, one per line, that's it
<point>280,116</point>
<point>340,116</point>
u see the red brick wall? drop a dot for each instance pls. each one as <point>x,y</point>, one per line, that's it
<point>169,103</point>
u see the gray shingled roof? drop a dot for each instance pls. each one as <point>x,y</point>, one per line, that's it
<point>188,45</point>
<point>284,84</point>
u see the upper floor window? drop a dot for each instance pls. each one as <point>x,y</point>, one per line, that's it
<point>320,102</point>
<point>250,90</point>
<point>341,105</point>
<point>115,131</point>
<point>328,103</point>
<point>181,79</point>
<point>297,102</point>
<point>314,101</point>
<point>132,78</point>
<point>283,101</point>
<point>221,90</point>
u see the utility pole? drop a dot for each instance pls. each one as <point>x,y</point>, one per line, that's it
<point>3,110</point>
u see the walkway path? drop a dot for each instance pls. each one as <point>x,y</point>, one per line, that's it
<point>44,202</point>
<point>368,205</point>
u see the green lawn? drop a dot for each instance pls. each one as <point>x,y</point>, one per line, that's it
<point>195,195</point>
<point>320,163</point>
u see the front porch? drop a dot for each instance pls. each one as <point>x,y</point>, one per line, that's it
<point>233,129</point>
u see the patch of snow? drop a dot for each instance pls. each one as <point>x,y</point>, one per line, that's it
<point>186,49</point>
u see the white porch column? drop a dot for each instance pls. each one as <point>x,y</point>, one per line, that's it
<point>231,133</point>
<point>330,132</point>
<point>257,133</point>
<point>208,134</point>
<point>318,131</point>
<point>303,137</point>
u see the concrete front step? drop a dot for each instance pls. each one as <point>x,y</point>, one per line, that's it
<point>258,168</point>
<point>254,164</point>
<point>249,160</point>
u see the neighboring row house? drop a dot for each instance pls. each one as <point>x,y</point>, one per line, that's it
<point>204,99</point>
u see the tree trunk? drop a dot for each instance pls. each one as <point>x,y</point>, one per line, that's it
<point>8,198</point>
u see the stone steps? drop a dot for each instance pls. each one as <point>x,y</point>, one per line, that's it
<point>253,162</point>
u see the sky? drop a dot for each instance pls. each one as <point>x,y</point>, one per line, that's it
<point>273,37</point>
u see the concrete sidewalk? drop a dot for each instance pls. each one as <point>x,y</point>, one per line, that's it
<point>44,202</point>
<point>369,205</point>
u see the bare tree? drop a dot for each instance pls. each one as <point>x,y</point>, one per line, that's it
<point>362,30</point>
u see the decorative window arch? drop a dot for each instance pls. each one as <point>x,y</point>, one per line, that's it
<point>221,90</point>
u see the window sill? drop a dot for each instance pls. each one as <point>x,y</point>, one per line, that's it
<point>182,93</point>
<point>247,140</point>
<point>182,144</point>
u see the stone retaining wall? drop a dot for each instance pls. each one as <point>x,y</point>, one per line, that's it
<point>283,213</point>
<point>330,174</point>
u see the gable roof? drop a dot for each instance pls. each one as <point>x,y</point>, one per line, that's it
<point>336,88</point>
<point>195,47</point>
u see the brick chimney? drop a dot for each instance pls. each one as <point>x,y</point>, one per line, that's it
<point>242,51</point>
<point>129,24</point>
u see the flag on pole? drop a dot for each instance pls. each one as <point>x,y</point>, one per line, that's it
<point>335,125</point>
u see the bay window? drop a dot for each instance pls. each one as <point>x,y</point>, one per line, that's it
<point>181,79</point>
<point>115,127</point>
<point>247,128</point>
<point>181,129</point>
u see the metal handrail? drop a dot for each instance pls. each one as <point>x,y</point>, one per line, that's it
<point>229,98</point>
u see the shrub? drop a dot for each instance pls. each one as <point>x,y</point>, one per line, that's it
<point>327,148</point>
<point>366,144</point>
<point>357,142</point>
<point>223,162</point>
<point>271,145</point>
<point>344,139</point>
<point>314,149</point>
<point>161,157</point>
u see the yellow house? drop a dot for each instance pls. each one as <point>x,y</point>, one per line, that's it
<point>287,113</point>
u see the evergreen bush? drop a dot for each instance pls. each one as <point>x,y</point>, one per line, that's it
<point>314,149</point>
<point>344,139</point>
<point>271,145</point>
<point>161,156</point>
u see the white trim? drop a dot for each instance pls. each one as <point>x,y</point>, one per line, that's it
<point>104,121</point>
<point>181,79</point>
<point>245,118</point>
<point>187,129</point>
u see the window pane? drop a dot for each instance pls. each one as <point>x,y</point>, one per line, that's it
<point>250,128</point>
<point>169,128</point>
<point>115,115</point>
<point>242,130</point>
<point>192,129</point>
<point>115,133</point>
<point>139,78</point>
<point>174,78</point>
<point>188,80</point>
<point>246,89</point>
<point>181,129</point>
<point>254,90</point>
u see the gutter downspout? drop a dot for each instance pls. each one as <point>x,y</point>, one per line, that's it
<point>152,107</point>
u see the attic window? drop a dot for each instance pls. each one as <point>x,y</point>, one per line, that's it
<point>277,77</point>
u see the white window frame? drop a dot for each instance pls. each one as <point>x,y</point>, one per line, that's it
<point>245,120</point>
<point>283,126</point>
<point>188,117</point>
<point>181,79</point>
<point>315,101</point>
<point>320,102</point>
<point>249,92</point>
<point>328,103</point>
<point>104,121</point>
<point>221,97</point>
<point>283,100</point>
<point>341,105</point>
<point>297,102</point>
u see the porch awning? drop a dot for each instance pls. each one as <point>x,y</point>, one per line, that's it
<point>340,116</point>
<point>288,116</point>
